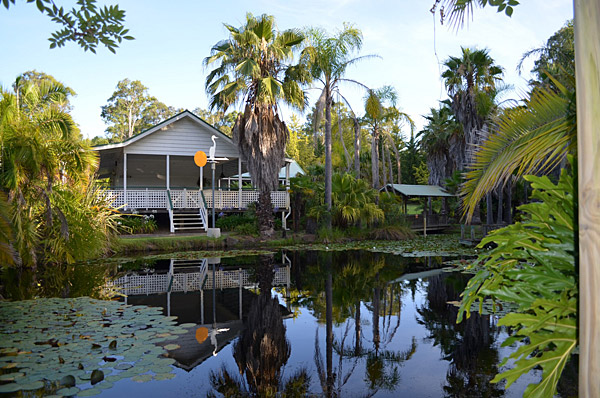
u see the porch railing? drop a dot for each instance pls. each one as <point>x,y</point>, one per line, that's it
<point>152,198</point>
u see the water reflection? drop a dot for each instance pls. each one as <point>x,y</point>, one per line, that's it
<point>262,350</point>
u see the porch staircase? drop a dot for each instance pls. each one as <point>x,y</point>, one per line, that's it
<point>183,220</point>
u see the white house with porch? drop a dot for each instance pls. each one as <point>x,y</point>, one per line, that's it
<point>154,171</point>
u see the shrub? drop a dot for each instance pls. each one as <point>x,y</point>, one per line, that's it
<point>137,224</point>
<point>392,232</point>
<point>250,229</point>
<point>230,222</point>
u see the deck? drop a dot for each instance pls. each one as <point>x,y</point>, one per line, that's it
<point>428,222</point>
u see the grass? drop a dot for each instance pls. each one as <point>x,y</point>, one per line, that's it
<point>165,243</point>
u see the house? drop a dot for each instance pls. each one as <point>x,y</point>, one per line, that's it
<point>154,171</point>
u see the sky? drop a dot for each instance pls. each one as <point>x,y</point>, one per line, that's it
<point>173,37</point>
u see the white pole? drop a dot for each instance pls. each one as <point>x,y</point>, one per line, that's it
<point>239,183</point>
<point>201,178</point>
<point>168,173</point>
<point>124,177</point>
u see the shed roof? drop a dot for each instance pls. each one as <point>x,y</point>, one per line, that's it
<point>418,190</point>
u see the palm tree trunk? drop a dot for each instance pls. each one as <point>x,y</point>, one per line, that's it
<point>587,63</point>
<point>356,147</point>
<point>329,326</point>
<point>346,154</point>
<point>390,166</point>
<point>357,348</point>
<point>328,165</point>
<point>375,159</point>
<point>500,218</point>
<point>383,168</point>
<point>264,214</point>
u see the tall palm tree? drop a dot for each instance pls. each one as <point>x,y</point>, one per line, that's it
<point>471,82</point>
<point>252,67</point>
<point>380,114</point>
<point>329,58</point>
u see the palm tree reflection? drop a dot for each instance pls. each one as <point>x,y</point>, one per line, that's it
<point>262,350</point>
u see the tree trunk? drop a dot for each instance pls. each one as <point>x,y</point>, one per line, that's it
<point>390,168</point>
<point>357,147</point>
<point>509,203</point>
<point>375,159</point>
<point>489,216</point>
<point>264,214</point>
<point>328,165</point>
<point>357,348</point>
<point>587,63</point>
<point>500,218</point>
<point>346,154</point>
<point>383,168</point>
<point>329,326</point>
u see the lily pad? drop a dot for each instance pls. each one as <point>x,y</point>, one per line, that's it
<point>90,392</point>
<point>142,378</point>
<point>68,392</point>
<point>171,347</point>
<point>164,376</point>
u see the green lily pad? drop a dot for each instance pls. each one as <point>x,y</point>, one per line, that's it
<point>188,325</point>
<point>171,347</point>
<point>97,376</point>
<point>142,378</point>
<point>32,386</point>
<point>68,392</point>
<point>10,387</point>
<point>90,392</point>
<point>123,366</point>
<point>164,376</point>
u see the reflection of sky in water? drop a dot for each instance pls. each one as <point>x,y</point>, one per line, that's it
<point>423,375</point>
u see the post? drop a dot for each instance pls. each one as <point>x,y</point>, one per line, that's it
<point>240,183</point>
<point>240,277</point>
<point>287,175</point>
<point>212,166</point>
<point>124,178</point>
<point>201,305</point>
<point>168,173</point>
<point>425,223</point>
<point>201,178</point>
<point>587,64</point>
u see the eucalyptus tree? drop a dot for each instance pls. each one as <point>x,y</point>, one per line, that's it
<point>252,67</point>
<point>329,57</point>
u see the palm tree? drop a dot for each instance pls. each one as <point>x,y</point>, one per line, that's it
<point>471,84</point>
<point>380,118</point>
<point>47,175</point>
<point>252,67</point>
<point>329,57</point>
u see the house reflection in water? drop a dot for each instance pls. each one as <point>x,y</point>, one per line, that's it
<point>215,297</point>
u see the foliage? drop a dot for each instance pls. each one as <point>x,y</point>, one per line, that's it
<point>253,67</point>
<point>556,59</point>
<point>529,139</point>
<point>392,206</point>
<point>353,202</point>
<point>87,25</point>
<point>131,110</point>
<point>421,173</point>
<point>460,10</point>
<point>222,121</point>
<point>230,222</point>
<point>391,232</point>
<point>58,215</point>
<point>137,224</point>
<point>533,266</point>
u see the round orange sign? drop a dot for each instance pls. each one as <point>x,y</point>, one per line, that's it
<point>200,159</point>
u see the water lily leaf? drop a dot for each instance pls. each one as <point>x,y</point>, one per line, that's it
<point>188,325</point>
<point>142,378</point>
<point>32,386</point>
<point>105,385</point>
<point>68,381</point>
<point>164,376</point>
<point>113,345</point>
<point>123,366</point>
<point>171,347</point>
<point>10,387</point>
<point>97,376</point>
<point>90,392</point>
<point>68,392</point>
<point>11,376</point>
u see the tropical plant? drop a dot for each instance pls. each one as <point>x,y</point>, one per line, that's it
<point>57,214</point>
<point>252,67</point>
<point>329,57</point>
<point>381,119</point>
<point>533,266</point>
<point>528,139</point>
<point>353,202</point>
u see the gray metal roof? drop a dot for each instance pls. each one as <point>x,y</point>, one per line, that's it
<point>418,190</point>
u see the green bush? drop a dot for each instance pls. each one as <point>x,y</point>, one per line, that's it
<point>250,229</point>
<point>392,232</point>
<point>137,224</point>
<point>230,222</point>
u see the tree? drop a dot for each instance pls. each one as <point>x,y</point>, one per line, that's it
<point>88,25</point>
<point>329,57</point>
<point>251,67</point>
<point>131,110</point>
<point>57,216</point>
<point>221,120</point>
<point>40,78</point>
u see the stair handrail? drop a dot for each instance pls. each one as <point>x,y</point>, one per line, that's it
<point>171,223</point>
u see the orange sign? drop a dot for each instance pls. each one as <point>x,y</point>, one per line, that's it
<point>200,159</point>
<point>202,332</point>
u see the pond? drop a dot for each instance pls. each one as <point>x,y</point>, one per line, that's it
<point>304,323</point>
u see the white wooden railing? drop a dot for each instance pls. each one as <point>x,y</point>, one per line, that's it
<point>237,199</point>
<point>192,281</point>
<point>152,198</point>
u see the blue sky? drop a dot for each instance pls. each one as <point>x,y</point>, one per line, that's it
<point>173,37</point>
